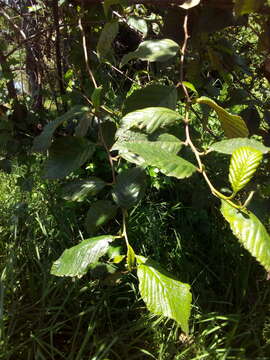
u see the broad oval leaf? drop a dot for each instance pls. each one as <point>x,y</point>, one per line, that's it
<point>163,294</point>
<point>233,125</point>
<point>43,141</point>
<point>129,187</point>
<point>188,4</point>
<point>228,146</point>
<point>250,231</point>
<point>107,36</point>
<point>244,162</point>
<point>99,214</point>
<point>150,119</point>
<point>150,96</point>
<point>76,260</point>
<point>168,163</point>
<point>78,190</point>
<point>153,50</point>
<point>66,155</point>
<point>138,24</point>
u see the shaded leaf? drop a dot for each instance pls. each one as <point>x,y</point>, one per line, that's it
<point>78,190</point>
<point>83,125</point>
<point>150,96</point>
<point>244,162</point>
<point>99,214</point>
<point>129,187</point>
<point>96,97</point>
<point>153,50</point>
<point>66,155</point>
<point>243,7</point>
<point>43,141</point>
<point>252,119</point>
<point>76,260</point>
<point>150,119</point>
<point>250,231</point>
<point>228,146</point>
<point>107,36</point>
<point>233,125</point>
<point>163,294</point>
<point>169,164</point>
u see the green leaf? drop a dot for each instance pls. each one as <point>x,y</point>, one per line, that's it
<point>163,294</point>
<point>150,96</point>
<point>99,214</point>
<point>76,260</point>
<point>131,258</point>
<point>228,146</point>
<point>150,119</point>
<point>43,141</point>
<point>250,231</point>
<point>233,125</point>
<point>243,7</point>
<point>168,163</point>
<point>244,162</point>
<point>66,155</point>
<point>153,50</point>
<point>138,24</point>
<point>96,97</point>
<point>78,190</point>
<point>129,187</point>
<point>107,36</point>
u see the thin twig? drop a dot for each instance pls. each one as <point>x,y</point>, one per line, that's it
<point>90,73</point>
<point>182,59</point>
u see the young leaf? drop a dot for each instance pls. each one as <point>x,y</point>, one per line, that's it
<point>244,162</point>
<point>153,50</point>
<point>163,294</point>
<point>131,258</point>
<point>233,125</point>
<point>250,231</point>
<point>76,260</point>
<point>107,36</point>
<point>78,190</point>
<point>129,187</point>
<point>43,141</point>
<point>168,163</point>
<point>150,119</point>
<point>99,214</point>
<point>228,146</point>
<point>66,155</point>
<point>150,96</point>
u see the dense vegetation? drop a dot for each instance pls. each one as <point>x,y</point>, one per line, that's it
<point>134,140</point>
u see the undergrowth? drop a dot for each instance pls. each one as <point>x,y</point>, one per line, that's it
<point>102,317</point>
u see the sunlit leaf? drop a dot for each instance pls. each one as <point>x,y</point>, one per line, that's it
<point>233,125</point>
<point>250,231</point>
<point>168,163</point>
<point>244,162</point>
<point>66,155</point>
<point>43,141</point>
<point>76,260</point>
<point>153,50</point>
<point>138,24</point>
<point>131,258</point>
<point>188,4</point>
<point>78,190</point>
<point>228,146</point>
<point>162,293</point>
<point>150,119</point>
<point>99,214</point>
<point>129,187</point>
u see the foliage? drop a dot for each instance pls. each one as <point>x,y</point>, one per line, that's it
<point>135,95</point>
